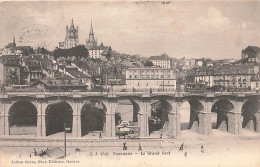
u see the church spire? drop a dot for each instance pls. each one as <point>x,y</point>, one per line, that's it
<point>91,29</point>
<point>14,44</point>
<point>72,24</point>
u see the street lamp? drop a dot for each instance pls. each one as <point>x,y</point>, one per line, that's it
<point>65,148</point>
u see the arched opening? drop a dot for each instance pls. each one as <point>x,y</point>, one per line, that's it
<point>221,107</point>
<point>185,115</point>
<point>58,114</point>
<point>158,120</point>
<point>195,108</point>
<point>93,119</point>
<point>249,110</point>
<point>23,118</point>
<point>127,111</point>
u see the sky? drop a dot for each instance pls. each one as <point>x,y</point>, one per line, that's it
<point>207,29</point>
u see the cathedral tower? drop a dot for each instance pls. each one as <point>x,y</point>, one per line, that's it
<point>71,38</point>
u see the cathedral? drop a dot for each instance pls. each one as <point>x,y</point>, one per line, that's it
<point>72,37</point>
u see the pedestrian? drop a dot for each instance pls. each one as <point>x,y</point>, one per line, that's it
<point>181,147</point>
<point>140,147</point>
<point>185,154</point>
<point>30,155</point>
<point>202,149</point>
<point>35,152</point>
<point>161,136</point>
<point>100,136</point>
<point>124,146</point>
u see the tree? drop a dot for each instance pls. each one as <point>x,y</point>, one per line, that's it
<point>148,63</point>
<point>42,50</point>
<point>109,53</point>
<point>78,51</point>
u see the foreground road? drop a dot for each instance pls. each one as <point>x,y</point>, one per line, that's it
<point>220,149</point>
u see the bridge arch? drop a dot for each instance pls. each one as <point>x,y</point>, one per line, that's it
<point>57,114</point>
<point>22,118</point>
<point>250,115</point>
<point>126,110</point>
<point>159,118</point>
<point>222,107</point>
<point>93,117</point>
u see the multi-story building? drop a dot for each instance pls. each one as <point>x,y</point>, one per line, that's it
<point>151,77</point>
<point>251,54</point>
<point>31,71</point>
<point>71,38</point>
<point>205,75</point>
<point>162,61</point>
<point>10,69</point>
<point>227,76</point>
<point>255,82</point>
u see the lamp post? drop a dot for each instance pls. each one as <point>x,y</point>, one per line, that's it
<point>65,140</point>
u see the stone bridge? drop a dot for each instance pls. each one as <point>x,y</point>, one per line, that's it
<point>234,110</point>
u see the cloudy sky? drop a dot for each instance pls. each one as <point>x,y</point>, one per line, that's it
<point>191,29</point>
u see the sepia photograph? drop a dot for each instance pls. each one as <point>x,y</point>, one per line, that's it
<point>129,83</point>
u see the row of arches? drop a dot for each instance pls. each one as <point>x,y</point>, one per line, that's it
<point>23,116</point>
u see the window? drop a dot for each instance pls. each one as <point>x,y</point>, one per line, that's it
<point>130,76</point>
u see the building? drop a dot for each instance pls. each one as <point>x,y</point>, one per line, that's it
<point>31,71</point>
<point>162,61</point>
<point>151,77</point>
<point>10,69</point>
<point>255,82</point>
<point>95,51</point>
<point>79,77</point>
<point>227,76</point>
<point>71,38</point>
<point>205,75</point>
<point>251,54</point>
<point>188,63</point>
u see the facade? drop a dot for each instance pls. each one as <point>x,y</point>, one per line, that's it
<point>255,82</point>
<point>71,38</point>
<point>251,54</point>
<point>205,75</point>
<point>154,78</point>
<point>10,69</point>
<point>227,76</point>
<point>31,71</point>
<point>162,61</point>
<point>96,52</point>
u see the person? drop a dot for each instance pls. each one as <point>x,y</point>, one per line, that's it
<point>35,152</point>
<point>100,136</point>
<point>124,146</point>
<point>140,147</point>
<point>161,136</point>
<point>185,154</point>
<point>202,149</point>
<point>181,147</point>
